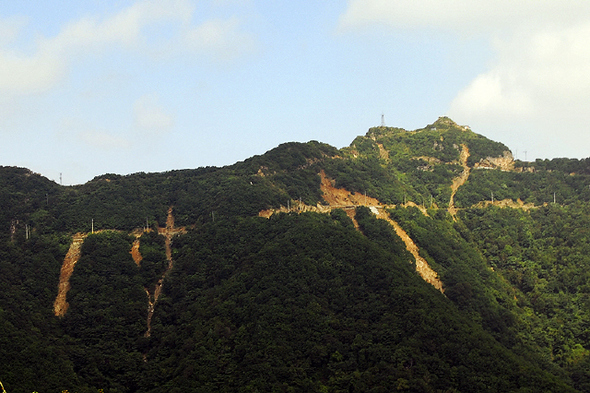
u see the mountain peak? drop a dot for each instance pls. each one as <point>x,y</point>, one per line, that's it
<point>445,122</point>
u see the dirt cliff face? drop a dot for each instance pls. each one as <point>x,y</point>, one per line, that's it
<point>60,306</point>
<point>340,198</point>
<point>505,162</point>
<point>422,267</point>
<point>135,254</point>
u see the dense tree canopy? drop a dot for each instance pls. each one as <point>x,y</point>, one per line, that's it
<point>309,301</point>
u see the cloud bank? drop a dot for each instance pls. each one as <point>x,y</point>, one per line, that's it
<point>539,78</point>
<point>462,16</point>
<point>150,116</point>
<point>26,72</point>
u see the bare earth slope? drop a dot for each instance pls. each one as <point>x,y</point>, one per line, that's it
<point>460,180</point>
<point>60,306</point>
<point>339,198</point>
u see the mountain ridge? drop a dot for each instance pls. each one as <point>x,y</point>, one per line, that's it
<point>227,279</point>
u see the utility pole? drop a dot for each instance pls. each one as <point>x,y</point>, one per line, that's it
<point>382,119</point>
<point>60,183</point>
<point>92,225</point>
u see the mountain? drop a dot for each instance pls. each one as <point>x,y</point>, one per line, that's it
<point>420,261</point>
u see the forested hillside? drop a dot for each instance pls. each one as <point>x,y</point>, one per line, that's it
<point>418,261</point>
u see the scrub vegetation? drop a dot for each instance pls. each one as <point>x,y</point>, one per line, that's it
<point>304,301</point>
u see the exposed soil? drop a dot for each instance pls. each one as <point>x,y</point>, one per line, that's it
<point>169,231</point>
<point>504,163</point>
<point>60,306</point>
<point>422,267</point>
<point>135,254</point>
<point>459,180</point>
<point>519,204</point>
<point>339,198</point>
<point>351,213</point>
<point>430,160</point>
<point>422,208</point>
<point>383,153</point>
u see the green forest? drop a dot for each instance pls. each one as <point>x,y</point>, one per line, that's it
<point>316,298</point>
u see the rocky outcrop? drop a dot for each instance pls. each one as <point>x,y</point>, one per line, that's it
<point>505,162</point>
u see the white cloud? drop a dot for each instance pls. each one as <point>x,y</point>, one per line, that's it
<point>24,72</point>
<point>75,129</point>
<point>150,116</point>
<point>542,74</point>
<point>464,16</point>
<point>103,140</point>
<point>124,28</point>
<point>493,94</point>
<point>539,78</point>
<point>220,39</point>
<point>10,29</point>
<point>29,74</point>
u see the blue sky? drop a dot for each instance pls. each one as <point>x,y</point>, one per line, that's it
<point>93,87</point>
